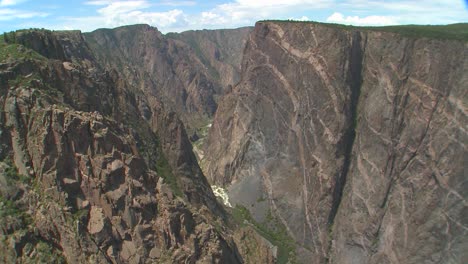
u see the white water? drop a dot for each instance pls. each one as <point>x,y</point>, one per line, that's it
<point>221,193</point>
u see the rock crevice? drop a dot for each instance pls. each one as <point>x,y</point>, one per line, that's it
<point>354,80</point>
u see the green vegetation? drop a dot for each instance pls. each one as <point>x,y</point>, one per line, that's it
<point>453,31</point>
<point>22,80</point>
<point>17,52</point>
<point>80,215</point>
<point>164,170</point>
<point>12,36</point>
<point>240,213</point>
<point>9,209</point>
<point>272,230</point>
<point>43,252</point>
<point>151,150</point>
<point>9,37</point>
<point>199,124</point>
<point>12,175</point>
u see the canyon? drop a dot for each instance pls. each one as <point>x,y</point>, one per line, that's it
<point>287,142</point>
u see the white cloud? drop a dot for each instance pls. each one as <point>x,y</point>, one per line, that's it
<point>165,21</point>
<point>303,18</point>
<point>160,3</point>
<point>362,21</point>
<point>178,3</point>
<point>278,3</point>
<point>112,14</point>
<point>122,7</point>
<point>412,11</point>
<point>235,13</point>
<point>11,2</point>
<point>7,14</point>
<point>98,2</point>
<point>247,12</point>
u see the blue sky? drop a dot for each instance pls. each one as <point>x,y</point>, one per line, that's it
<point>180,15</point>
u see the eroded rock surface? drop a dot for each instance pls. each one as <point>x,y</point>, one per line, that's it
<point>356,139</point>
<point>187,71</point>
<point>91,178</point>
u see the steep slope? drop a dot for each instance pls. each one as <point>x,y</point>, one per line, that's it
<point>275,138</point>
<point>353,139</point>
<point>219,50</point>
<point>93,170</point>
<point>186,71</point>
<point>86,85</point>
<point>405,197</point>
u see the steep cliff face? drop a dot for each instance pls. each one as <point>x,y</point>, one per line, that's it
<point>220,51</point>
<point>93,169</point>
<point>186,71</point>
<point>353,139</point>
<point>405,195</point>
<point>276,139</point>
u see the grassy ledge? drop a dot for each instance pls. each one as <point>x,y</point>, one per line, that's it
<point>457,31</point>
<point>272,230</point>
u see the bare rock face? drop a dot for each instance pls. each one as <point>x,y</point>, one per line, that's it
<point>218,50</point>
<point>353,139</point>
<point>96,199</point>
<point>277,134</point>
<point>187,71</point>
<point>90,177</point>
<point>405,196</point>
<point>86,83</point>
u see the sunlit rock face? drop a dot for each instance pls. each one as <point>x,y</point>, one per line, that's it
<point>354,139</point>
<point>95,169</point>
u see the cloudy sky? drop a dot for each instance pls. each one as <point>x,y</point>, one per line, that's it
<point>180,15</point>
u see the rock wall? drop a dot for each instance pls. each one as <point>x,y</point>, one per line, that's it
<point>405,194</point>
<point>186,71</point>
<point>346,136</point>
<point>94,170</point>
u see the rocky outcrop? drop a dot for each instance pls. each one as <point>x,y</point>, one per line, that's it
<point>97,170</point>
<point>95,199</point>
<point>58,45</point>
<point>88,85</point>
<point>353,139</point>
